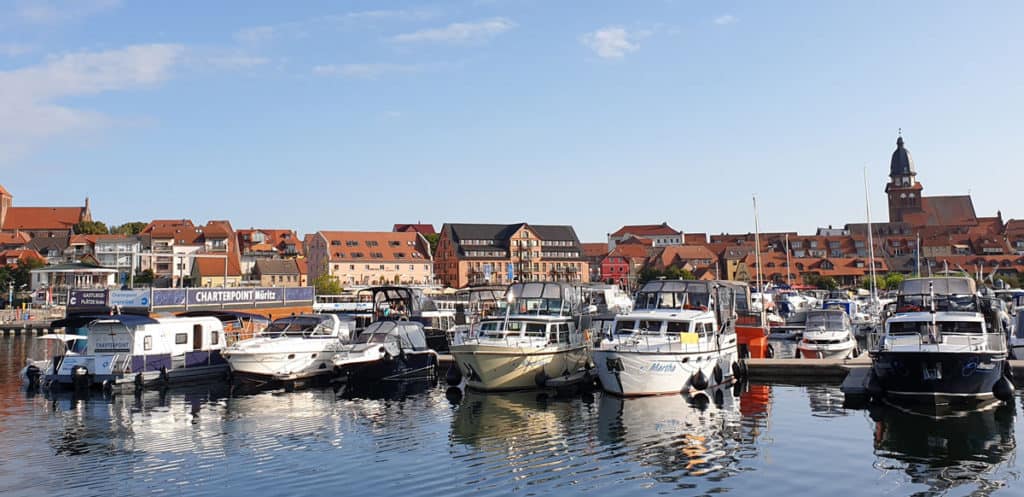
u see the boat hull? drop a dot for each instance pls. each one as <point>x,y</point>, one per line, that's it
<point>491,368</point>
<point>417,364</point>
<point>278,366</point>
<point>636,373</point>
<point>929,376</point>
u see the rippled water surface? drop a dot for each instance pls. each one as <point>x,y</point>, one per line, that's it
<point>415,440</point>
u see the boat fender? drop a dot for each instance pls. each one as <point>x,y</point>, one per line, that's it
<point>1003,389</point>
<point>1008,372</point>
<point>717,374</point>
<point>163,376</point>
<point>138,381</point>
<point>453,376</point>
<point>719,398</point>
<point>699,381</point>
<point>739,370</point>
<point>541,379</point>
<point>770,351</point>
<point>108,386</point>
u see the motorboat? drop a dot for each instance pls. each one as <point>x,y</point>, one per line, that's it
<point>405,303</point>
<point>290,349</point>
<point>793,307</point>
<point>129,351</point>
<point>828,334</point>
<point>943,343</point>
<point>45,355</point>
<point>604,302</point>
<point>681,336</point>
<point>387,350</point>
<point>537,343</point>
<point>471,305</point>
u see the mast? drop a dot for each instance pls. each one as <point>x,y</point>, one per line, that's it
<point>871,239</point>
<point>757,260</point>
<point>789,281</point>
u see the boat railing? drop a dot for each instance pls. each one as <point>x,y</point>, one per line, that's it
<point>974,342</point>
<point>120,363</point>
<point>638,337</point>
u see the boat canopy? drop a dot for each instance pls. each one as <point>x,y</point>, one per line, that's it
<point>305,325</point>
<point>409,334</point>
<point>941,286</point>
<point>827,320</point>
<point>674,294</point>
<point>543,298</point>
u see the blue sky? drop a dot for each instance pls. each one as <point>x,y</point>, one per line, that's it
<point>358,115</point>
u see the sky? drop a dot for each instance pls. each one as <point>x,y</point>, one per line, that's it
<point>358,115</point>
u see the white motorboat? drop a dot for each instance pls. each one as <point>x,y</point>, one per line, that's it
<point>537,343</point>
<point>127,351</point>
<point>828,334</point>
<point>387,350</point>
<point>681,336</point>
<point>291,348</point>
<point>45,355</point>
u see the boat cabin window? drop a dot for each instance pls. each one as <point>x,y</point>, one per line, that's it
<point>923,327</point>
<point>147,342</point>
<point>954,303</point>
<point>831,321</point>
<point>650,327</point>
<point>671,300</point>
<point>536,329</point>
<point>299,326</point>
<point>625,326</point>
<point>562,330</point>
<point>180,338</point>
<point>214,338</point>
<point>678,326</point>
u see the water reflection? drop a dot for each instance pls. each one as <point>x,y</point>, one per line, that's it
<point>826,401</point>
<point>943,449</point>
<point>677,436</point>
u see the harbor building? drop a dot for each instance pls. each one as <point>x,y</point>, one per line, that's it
<point>370,257</point>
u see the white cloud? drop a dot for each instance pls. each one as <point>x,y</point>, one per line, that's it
<point>365,71</point>
<point>57,11</point>
<point>15,49</point>
<point>725,19</point>
<point>612,42</point>
<point>29,112</point>
<point>459,32</point>
<point>237,61</point>
<point>301,28</point>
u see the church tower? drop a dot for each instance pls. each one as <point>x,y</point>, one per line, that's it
<point>903,190</point>
<point>5,204</point>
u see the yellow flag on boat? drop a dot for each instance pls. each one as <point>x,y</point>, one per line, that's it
<point>686,338</point>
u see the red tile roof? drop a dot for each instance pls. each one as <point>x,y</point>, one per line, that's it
<point>14,238</point>
<point>214,266</point>
<point>598,249</point>
<point>42,218</point>
<point>303,266</point>
<point>693,254</point>
<point>425,229</point>
<point>363,245</point>
<point>21,255</point>
<point>646,230</point>
<point>217,229</point>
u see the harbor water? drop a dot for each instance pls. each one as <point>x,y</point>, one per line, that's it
<point>419,440</point>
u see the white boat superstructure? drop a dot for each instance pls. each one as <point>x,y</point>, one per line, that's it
<point>45,355</point>
<point>828,334</point>
<point>537,343</point>
<point>291,348</point>
<point>681,336</point>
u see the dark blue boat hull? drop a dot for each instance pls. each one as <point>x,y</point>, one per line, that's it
<point>938,375</point>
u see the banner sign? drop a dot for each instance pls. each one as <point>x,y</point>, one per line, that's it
<point>129,298</point>
<point>300,294</point>
<point>87,298</point>
<point>217,296</point>
<point>168,297</point>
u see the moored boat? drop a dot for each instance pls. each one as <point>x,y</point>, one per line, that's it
<point>537,343</point>
<point>681,336</point>
<point>290,349</point>
<point>828,334</point>
<point>387,350</point>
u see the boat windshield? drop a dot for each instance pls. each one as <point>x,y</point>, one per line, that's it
<point>497,329</point>
<point>826,321</point>
<point>375,338</point>
<point>943,327</point>
<point>944,303</point>
<point>299,326</point>
<point>690,299</point>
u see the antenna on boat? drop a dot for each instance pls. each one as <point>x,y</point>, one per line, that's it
<point>871,240</point>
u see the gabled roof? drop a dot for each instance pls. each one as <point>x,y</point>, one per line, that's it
<point>42,218</point>
<point>598,249</point>
<point>667,256</point>
<point>425,229</point>
<point>22,255</point>
<point>363,245</point>
<point>276,266</point>
<point>646,230</point>
<point>949,210</point>
<point>501,233</point>
<point>302,265</point>
<point>630,252</point>
<point>43,244</point>
<point>217,229</point>
<point>214,266</point>
<point>14,238</point>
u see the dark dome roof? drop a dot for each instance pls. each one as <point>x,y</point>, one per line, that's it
<point>901,164</point>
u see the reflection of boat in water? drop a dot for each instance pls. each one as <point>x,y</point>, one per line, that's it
<point>683,435</point>
<point>826,400</point>
<point>510,419</point>
<point>944,448</point>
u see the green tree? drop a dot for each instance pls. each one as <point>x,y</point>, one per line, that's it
<point>892,281</point>
<point>130,228</point>
<point>91,228</point>
<point>326,284</point>
<point>432,239</point>
<point>144,277</point>
<point>671,273</point>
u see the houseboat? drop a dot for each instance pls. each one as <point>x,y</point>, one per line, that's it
<point>133,352</point>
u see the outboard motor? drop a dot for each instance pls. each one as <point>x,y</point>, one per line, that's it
<point>80,377</point>
<point>32,374</point>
